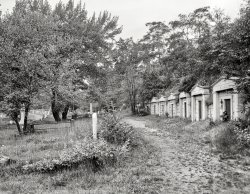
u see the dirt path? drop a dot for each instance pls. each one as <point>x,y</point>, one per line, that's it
<point>187,164</point>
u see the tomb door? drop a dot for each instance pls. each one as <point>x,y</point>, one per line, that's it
<point>228,107</point>
<point>185,109</point>
<point>200,109</point>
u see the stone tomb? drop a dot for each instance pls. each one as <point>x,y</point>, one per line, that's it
<point>154,107</point>
<point>226,99</point>
<point>199,109</point>
<point>173,105</point>
<point>185,105</point>
<point>162,103</point>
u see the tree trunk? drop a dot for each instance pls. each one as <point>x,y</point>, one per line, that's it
<point>133,105</point>
<point>55,112</point>
<point>65,112</point>
<point>54,107</point>
<point>132,102</point>
<point>15,118</point>
<point>133,109</point>
<point>26,113</point>
<point>18,127</point>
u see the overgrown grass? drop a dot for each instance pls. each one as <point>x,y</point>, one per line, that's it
<point>232,137</point>
<point>49,142</point>
<point>167,124</point>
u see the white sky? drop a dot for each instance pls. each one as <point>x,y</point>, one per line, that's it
<point>134,14</point>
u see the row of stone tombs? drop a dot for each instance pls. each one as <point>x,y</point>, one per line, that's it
<point>201,104</point>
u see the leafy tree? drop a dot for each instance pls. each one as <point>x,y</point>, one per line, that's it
<point>53,51</point>
<point>152,85</point>
<point>24,37</point>
<point>154,44</point>
<point>235,57</point>
<point>85,43</point>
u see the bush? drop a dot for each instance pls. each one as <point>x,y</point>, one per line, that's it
<point>242,131</point>
<point>225,139</point>
<point>232,137</point>
<point>143,113</point>
<point>114,131</point>
<point>97,154</point>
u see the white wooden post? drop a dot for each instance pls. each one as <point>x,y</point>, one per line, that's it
<point>91,108</point>
<point>94,125</point>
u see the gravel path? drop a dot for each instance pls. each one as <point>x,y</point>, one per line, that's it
<point>187,164</point>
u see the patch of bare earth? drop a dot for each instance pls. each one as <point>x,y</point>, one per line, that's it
<point>186,161</point>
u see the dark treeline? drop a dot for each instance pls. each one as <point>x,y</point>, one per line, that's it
<point>196,48</point>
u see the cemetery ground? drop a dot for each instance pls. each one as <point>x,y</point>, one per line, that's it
<point>170,156</point>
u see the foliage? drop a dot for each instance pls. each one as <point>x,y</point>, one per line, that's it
<point>83,45</point>
<point>96,153</point>
<point>233,137</point>
<point>187,50</point>
<point>225,139</point>
<point>24,38</point>
<point>114,142</point>
<point>154,45</point>
<point>51,142</point>
<point>128,65</point>
<point>235,57</point>
<point>52,52</point>
<point>198,47</point>
<point>242,131</point>
<point>152,85</point>
<point>115,132</point>
<point>143,112</point>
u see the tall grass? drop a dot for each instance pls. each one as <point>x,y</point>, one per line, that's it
<point>47,141</point>
<point>232,137</point>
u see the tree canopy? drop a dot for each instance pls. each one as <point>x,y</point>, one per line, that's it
<point>65,55</point>
<point>52,51</point>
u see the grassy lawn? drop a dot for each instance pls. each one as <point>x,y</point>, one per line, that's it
<point>132,175</point>
<point>48,141</point>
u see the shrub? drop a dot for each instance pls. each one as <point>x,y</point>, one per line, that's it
<point>143,113</point>
<point>232,137</point>
<point>225,139</point>
<point>114,131</point>
<point>97,154</point>
<point>242,131</point>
